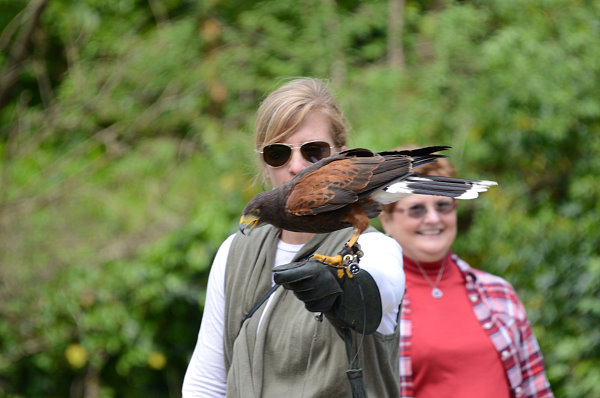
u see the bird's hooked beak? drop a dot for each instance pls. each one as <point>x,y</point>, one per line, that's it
<point>247,223</point>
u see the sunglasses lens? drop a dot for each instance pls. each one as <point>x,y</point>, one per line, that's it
<point>276,155</point>
<point>315,151</point>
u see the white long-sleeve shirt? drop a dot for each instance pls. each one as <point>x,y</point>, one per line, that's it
<point>205,376</point>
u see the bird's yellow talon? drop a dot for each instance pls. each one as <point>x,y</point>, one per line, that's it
<point>336,261</point>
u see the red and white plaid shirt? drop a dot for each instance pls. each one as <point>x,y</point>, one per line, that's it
<point>501,314</point>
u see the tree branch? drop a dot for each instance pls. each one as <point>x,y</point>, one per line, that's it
<point>18,54</point>
<point>395,52</point>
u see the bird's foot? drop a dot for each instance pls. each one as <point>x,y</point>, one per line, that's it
<point>346,261</point>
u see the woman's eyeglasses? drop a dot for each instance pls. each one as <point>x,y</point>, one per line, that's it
<point>277,155</point>
<point>420,210</point>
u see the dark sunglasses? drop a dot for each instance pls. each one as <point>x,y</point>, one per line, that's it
<point>277,155</point>
<point>420,210</point>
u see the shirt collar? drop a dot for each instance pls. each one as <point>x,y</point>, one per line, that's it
<point>464,268</point>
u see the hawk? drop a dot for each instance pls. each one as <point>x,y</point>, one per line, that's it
<point>348,188</point>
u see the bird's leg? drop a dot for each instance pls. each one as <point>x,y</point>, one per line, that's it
<point>353,239</point>
<point>346,261</point>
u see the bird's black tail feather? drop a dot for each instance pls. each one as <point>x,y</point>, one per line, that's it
<point>425,151</point>
<point>458,188</point>
<point>420,156</point>
<point>423,160</point>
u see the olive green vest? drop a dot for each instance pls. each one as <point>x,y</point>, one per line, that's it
<point>292,354</point>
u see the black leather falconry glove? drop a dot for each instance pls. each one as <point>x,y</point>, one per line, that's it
<point>351,302</point>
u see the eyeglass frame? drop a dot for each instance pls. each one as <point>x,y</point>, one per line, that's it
<point>292,147</point>
<point>412,214</point>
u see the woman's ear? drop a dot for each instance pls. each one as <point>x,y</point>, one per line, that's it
<point>266,177</point>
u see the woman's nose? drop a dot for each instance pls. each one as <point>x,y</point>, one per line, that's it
<point>297,162</point>
<point>432,215</point>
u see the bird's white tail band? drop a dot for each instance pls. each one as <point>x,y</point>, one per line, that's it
<point>456,188</point>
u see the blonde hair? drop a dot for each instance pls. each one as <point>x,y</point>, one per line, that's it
<point>282,111</point>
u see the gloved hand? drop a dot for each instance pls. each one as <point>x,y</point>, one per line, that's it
<point>350,302</point>
<point>312,282</point>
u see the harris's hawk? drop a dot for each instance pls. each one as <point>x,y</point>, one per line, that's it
<point>348,188</point>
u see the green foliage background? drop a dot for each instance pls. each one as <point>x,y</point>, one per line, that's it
<point>125,150</point>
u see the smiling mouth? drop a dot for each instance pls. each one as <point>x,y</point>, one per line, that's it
<point>430,233</point>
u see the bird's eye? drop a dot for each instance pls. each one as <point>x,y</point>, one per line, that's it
<point>255,212</point>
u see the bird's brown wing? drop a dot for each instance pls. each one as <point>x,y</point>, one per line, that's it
<point>332,186</point>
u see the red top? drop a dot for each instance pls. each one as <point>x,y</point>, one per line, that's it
<point>452,356</point>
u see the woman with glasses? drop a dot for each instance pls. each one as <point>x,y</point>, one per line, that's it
<point>464,332</point>
<point>257,340</point>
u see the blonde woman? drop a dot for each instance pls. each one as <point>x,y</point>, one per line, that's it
<point>255,344</point>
